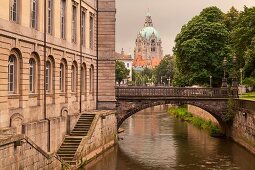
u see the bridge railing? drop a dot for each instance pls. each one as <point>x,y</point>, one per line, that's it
<point>139,91</point>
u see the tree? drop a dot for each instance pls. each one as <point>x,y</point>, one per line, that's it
<point>243,40</point>
<point>121,72</point>
<point>200,49</point>
<point>230,18</point>
<point>165,69</point>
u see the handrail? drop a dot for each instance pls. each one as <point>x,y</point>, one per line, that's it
<point>148,91</point>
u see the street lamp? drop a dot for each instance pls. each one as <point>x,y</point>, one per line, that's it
<point>241,81</point>
<point>224,80</point>
<point>234,78</point>
<point>169,81</point>
<point>210,81</point>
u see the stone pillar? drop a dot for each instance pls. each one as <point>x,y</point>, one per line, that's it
<point>106,54</point>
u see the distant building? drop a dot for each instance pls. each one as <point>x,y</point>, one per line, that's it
<point>148,50</point>
<point>127,59</point>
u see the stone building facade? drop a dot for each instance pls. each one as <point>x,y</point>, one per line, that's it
<point>51,65</point>
<point>148,50</point>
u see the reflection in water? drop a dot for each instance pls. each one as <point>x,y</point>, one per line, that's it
<point>153,140</point>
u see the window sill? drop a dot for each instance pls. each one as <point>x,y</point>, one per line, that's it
<point>49,94</point>
<point>13,96</point>
<point>73,93</point>
<point>62,93</point>
<point>32,95</point>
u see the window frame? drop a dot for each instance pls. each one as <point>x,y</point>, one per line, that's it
<point>50,12</point>
<point>12,64</point>
<point>48,76</point>
<point>12,11</point>
<point>83,26</point>
<point>34,14</point>
<point>91,31</point>
<point>74,22</point>
<point>32,78</point>
<point>62,77</point>
<point>63,19</point>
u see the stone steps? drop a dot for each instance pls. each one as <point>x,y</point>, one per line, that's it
<point>71,143</point>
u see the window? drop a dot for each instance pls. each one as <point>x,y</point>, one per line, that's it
<point>61,77</point>
<point>47,76</point>
<point>91,32</point>
<point>127,65</point>
<point>153,49</point>
<point>50,10</point>
<point>14,10</point>
<point>73,79</point>
<point>34,13</point>
<point>91,76</point>
<point>31,75</point>
<point>63,18</point>
<point>11,74</point>
<point>74,21</point>
<point>83,27</point>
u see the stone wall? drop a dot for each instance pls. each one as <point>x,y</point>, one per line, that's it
<point>102,135</point>
<point>243,128</point>
<point>19,152</point>
<point>196,111</point>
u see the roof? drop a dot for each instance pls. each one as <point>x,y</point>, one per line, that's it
<point>147,32</point>
<point>120,56</point>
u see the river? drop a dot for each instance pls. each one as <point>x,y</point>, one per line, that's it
<point>155,141</point>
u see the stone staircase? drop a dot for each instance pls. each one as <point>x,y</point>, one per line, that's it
<point>71,143</point>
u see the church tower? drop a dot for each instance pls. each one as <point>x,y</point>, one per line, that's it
<point>148,50</point>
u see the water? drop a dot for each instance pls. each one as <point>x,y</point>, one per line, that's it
<point>154,141</point>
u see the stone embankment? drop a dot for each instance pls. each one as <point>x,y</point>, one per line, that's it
<point>18,151</point>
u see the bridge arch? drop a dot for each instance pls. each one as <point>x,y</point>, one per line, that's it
<point>125,109</point>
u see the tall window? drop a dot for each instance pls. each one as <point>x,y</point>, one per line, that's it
<point>91,77</point>
<point>91,31</point>
<point>48,76</point>
<point>61,77</point>
<point>31,75</point>
<point>73,80</point>
<point>14,10</point>
<point>83,27</point>
<point>74,21</point>
<point>11,73</point>
<point>50,10</point>
<point>63,18</point>
<point>34,13</point>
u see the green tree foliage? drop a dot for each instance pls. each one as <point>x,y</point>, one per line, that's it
<point>230,18</point>
<point>121,72</point>
<point>165,69</point>
<point>200,48</point>
<point>243,40</point>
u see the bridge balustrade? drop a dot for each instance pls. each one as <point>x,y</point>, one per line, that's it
<point>140,91</point>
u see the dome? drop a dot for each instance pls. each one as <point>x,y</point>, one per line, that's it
<point>147,32</point>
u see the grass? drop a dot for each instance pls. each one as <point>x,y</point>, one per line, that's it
<point>248,96</point>
<point>182,113</point>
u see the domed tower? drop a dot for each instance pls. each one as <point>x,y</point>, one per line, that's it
<point>148,50</point>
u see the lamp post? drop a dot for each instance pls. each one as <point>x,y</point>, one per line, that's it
<point>234,79</point>
<point>210,81</point>
<point>241,78</point>
<point>224,80</point>
<point>169,81</point>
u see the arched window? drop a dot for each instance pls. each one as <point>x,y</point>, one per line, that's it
<point>73,79</point>
<point>31,75</point>
<point>83,79</point>
<point>91,77</point>
<point>48,76</point>
<point>61,77</point>
<point>12,65</point>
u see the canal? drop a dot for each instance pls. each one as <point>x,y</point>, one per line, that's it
<point>152,140</point>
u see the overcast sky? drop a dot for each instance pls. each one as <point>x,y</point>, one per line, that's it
<point>168,17</point>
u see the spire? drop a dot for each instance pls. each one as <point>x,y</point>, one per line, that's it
<point>148,20</point>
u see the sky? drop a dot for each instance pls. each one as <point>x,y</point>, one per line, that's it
<point>168,17</point>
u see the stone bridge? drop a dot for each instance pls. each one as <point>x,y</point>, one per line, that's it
<point>132,99</point>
